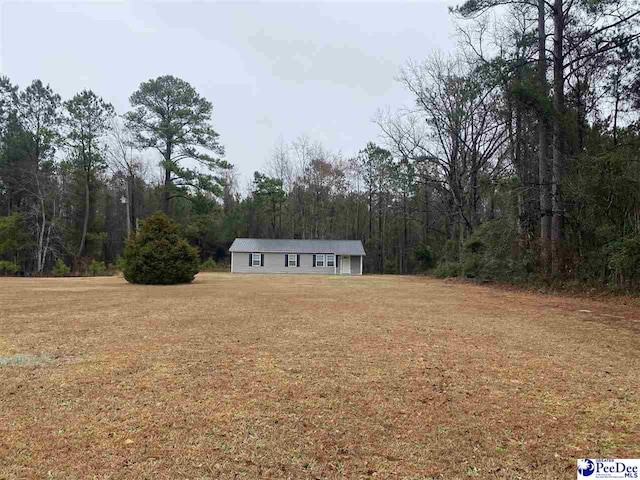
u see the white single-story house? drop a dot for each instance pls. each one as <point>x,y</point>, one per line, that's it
<point>329,257</point>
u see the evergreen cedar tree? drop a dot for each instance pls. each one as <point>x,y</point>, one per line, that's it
<point>158,255</point>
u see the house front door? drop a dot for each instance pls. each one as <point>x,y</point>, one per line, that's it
<point>345,264</point>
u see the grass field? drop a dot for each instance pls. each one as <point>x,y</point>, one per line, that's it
<point>251,376</point>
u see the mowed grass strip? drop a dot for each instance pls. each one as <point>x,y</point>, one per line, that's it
<point>248,376</point>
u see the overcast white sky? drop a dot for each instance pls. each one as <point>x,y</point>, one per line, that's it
<point>270,69</point>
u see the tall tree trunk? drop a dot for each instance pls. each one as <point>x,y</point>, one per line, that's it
<point>514,153</point>
<point>461,231</point>
<point>128,205</point>
<point>616,107</point>
<point>405,240</point>
<point>543,159</point>
<point>85,223</point>
<point>370,213</point>
<point>274,219</point>
<point>293,213</point>
<point>357,233</point>
<point>557,225</point>
<point>41,254</point>
<point>41,251</point>
<point>426,209</point>
<point>475,214</point>
<point>164,201</point>
<point>523,169</point>
<point>380,235</point>
<point>45,250</point>
<point>132,202</point>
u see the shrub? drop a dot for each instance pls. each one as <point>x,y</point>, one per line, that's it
<point>475,244</point>
<point>158,255</point>
<point>209,265</point>
<point>472,265</point>
<point>10,233</point>
<point>96,268</point>
<point>390,266</point>
<point>491,253</point>
<point>424,256</point>
<point>60,269</point>
<point>624,260</point>
<point>450,250</point>
<point>95,243</point>
<point>119,263</point>
<point>80,265</point>
<point>447,269</point>
<point>8,268</point>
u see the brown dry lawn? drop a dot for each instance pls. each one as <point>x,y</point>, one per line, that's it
<point>251,376</point>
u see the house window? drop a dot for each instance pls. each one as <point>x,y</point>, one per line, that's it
<point>331,260</point>
<point>256,260</point>
<point>292,259</point>
<point>319,260</point>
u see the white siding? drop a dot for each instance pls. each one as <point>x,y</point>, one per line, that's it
<point>275,263</point>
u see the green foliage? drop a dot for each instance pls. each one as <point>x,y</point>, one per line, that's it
<point>87,119</point>
<point>376,164</point>
<point>451,248</point>
<point>39,119</point>
<point>465,159</point>
<point>624,260</point>
<point>120,263</point>
<point>603,189</point>
<point>527,92</point>
<point>492,253</point>
<point>169,115</point>
<point>270,195</point>
<point>203,231</point>
<point>209,265</point>
<point>425,257</point>
<point>96,268</point>
<point>472,257</point>
<point>60,269</point>
<point>10,227</point>
<point>447,269</point>
<point>268,188</point>
<point>7,94</point>
<point>95,243</point>
<point>158,255</point>
<point>390,266</point>
<point>8,268</point>
<point>471,265</point>
<point>475,244</point>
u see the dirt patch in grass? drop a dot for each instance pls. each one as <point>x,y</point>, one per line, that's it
<point>311,377</point>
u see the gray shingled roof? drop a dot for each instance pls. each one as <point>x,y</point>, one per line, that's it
<point>269,245</point>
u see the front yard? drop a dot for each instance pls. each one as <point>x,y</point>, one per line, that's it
<point>250,376</point>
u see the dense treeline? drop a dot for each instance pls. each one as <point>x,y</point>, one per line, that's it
<point>519,159</point>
